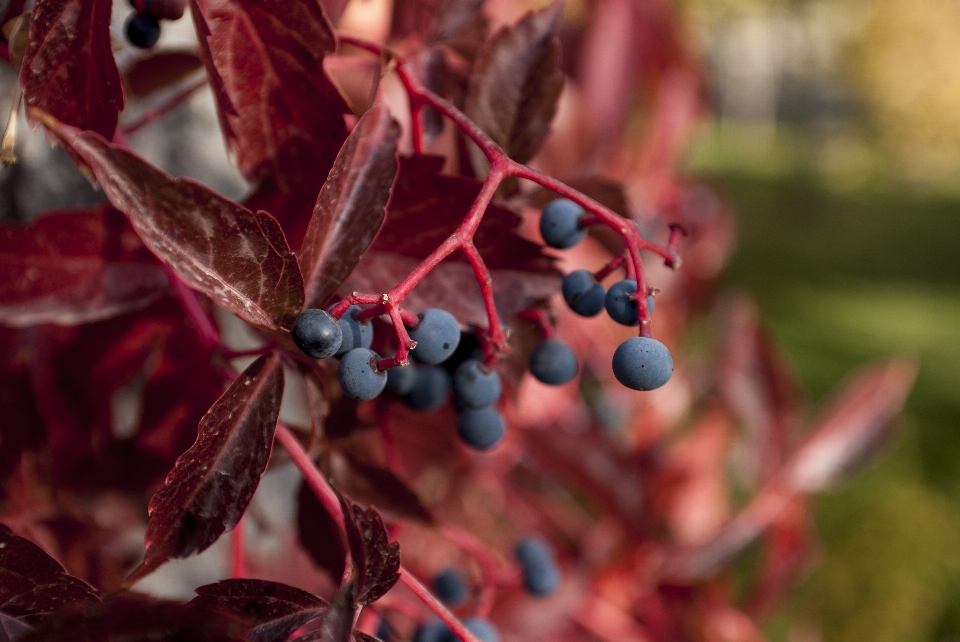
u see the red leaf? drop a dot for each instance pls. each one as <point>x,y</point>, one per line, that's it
<point>427,207</point>
<point>120,399</point>
<point>12,629</point>
<point>376,559</point>
<point>210,486</point>
<point>281,115</point>
<point>437,20</point>
<point>854,426</point>
<point>237,258</point>
<point>275,610</point>
<point>516,84</point>
<point>377,486</point>
<point>351,205</point>
<point>159,70</point>
<point>32,583</point>
<point>76,267</point>
<point>139,618</point>
<point>68,69</point>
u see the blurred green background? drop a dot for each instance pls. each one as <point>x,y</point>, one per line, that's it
<point>836,140</point>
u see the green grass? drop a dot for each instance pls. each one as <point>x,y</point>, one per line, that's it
<point>846,271</point>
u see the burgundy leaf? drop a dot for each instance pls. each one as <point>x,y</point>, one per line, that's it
<point>319,534</point>
<point>427,207</point>
<point>360,636</point>
<point>76,267</point>
<point>338,622</point>
<point>160,70</point>
<point>516,84</point>
<point>854,426</point>
<point>437,20</point>
<point>237,258</point>
<point>351,205</point>
<point>210,486</point>
<point>13,629</point>
<point>377,486</point>
<point>119,399</point>
<point>23,428</point>
<point>376,559</point>
<point>32,583</point>
<point>68,70</point>
<point>282,116</point>
<point>758,384</point>
<point>275,610</point>
<point>140,618</point>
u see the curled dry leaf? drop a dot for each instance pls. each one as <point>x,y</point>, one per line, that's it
<point>238,258</point>
<point>68,69</point>
<point>274,610</point>
<point>32,583</point>
<point>515,85</point>
<point>351,206</point>
<point>75,267</point>
<point>211,484</point>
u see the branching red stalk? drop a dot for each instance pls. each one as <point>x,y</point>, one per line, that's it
<point>167,106</point>
<point>538,317</point>
<point>610,267</point>
<point>502,167</point>
<point>488,566</point>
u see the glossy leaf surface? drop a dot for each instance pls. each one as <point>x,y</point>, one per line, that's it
<point>68,69</point>
<point>516,83</point>
<point>210,486</point>
<point>275,610</point>
<point>74,267</point>
<point>33,583</point>
<point>238,258</point>
<point>319,534</point>
<point>351,206</point>
<point>281,115</point>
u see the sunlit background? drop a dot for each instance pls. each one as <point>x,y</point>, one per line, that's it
<point>836,137</point>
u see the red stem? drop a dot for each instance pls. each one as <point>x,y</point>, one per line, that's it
<point>169,105</point>
<point>488,566</point>
<point>206,330</point>
<point>610,267</point>
<point>448,618</point>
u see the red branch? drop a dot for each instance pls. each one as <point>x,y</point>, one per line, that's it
<point>501,168</point>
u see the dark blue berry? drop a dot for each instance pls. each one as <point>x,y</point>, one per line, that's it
<point>482,429</point>
<point>650,304</point>
<point>402,379</point>
<point>359,376</point>
<point>433,631</point>
<point>560,224</point>
<point>317,334</point>
<point>383,631</point>
<point>553,363</point>
<point>534,550</point>
<point>483,629</point>
<point>541,581</point>
<point>642,363</point>
<point>583,294</point>
<point>476,385</point>
<point>621,303</point>
<point>437,335</point>
<point>450,587</point>
<point>355,334</point>
<point>143,30</point>
<point>540,574</point>
<point>430,389</point>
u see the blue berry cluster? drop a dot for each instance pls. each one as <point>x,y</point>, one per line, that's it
<point>437,631</point>
<point>541,577</point>
<point>438,368</point>
<point>640,363</point>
